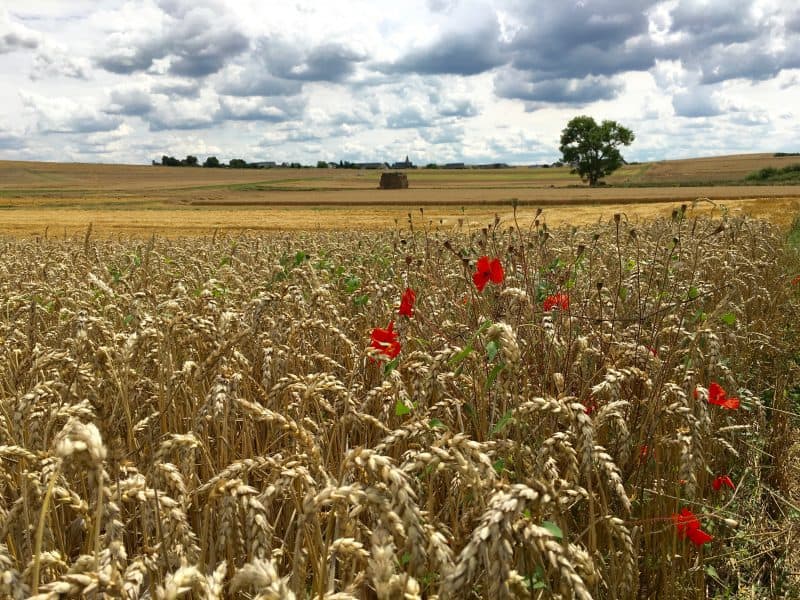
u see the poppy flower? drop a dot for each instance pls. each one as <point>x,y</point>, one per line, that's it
<point>407,303</point>
<point>589,406</point>
<point>722,480</point>
<point>796,280</point>
<point>386,341</point>
<point>688,526</point>
<point>716,395</point>
<point>556,301</point>
<point>487,271</point>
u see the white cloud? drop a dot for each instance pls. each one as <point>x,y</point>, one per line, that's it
<point>483,80</point>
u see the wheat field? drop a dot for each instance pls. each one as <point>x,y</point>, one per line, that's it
<point>612,416</point>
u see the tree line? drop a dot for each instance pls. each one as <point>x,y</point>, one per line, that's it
<point>212,162</point>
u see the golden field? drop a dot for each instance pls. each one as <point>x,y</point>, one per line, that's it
<point>176,201</point>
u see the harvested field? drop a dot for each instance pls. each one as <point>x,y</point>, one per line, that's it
<point>140,200</point>
<point>608,412</point>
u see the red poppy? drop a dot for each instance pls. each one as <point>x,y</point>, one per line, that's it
<point>556,301</point>
<point>796,280</point>
<point>716,395</point>
<point>722,480</point>
<point>386,341</point>
<point>589,406</point>
<point>487,271</point>
<point>688,526</point>
<point>407,303</point>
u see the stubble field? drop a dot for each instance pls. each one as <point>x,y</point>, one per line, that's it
<point>139,200</point>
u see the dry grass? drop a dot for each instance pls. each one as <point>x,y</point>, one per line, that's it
<point>202,418</point>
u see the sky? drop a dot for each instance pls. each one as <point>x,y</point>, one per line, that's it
<point>370,80</point>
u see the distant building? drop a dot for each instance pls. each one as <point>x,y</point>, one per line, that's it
<point>406,164</point>
<point>455,166</point>
<point>265,164</point>
<point>372,165</point>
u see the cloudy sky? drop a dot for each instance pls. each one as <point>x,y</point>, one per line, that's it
<point>438,80</point>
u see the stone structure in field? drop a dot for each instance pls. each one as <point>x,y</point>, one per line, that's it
<point>394,181</point>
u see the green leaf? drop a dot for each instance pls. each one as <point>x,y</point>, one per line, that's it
<point>728,318</point>
<point>361,300</point>
<point>461,355</point>
<point>299,258</point>
<point>468,408</point>
<point>712,572</point>
<point>484,326</point>
<point>499,465</point>
<point>623,293</point>
<point>401,409</point>
<point>493,374</point>
<point>351,284</point>
<point>693,293</point>
<point>491,350</point>
<point>501,424</point>
<point>554,529</point>
<point>391,365</point>
<point>405,559</point>
<point>436,423</point>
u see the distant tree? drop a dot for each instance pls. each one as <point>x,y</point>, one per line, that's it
<point>212,162</point>
<point>592,150</point>
<point>170,161</point>
<point>431,166</point>
<point>190,161</point>
<point>321,164</point>
<point>237,163</point>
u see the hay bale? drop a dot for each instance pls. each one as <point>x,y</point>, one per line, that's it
<point>394,181</point>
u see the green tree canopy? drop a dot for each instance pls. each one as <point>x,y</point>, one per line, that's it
<point>593,150</point>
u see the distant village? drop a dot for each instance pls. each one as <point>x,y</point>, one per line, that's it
<point>238,163</point>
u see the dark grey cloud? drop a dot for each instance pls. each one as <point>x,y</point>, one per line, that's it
<point>448,134</point>
<point>456,52</point>
<point>275,110</point>
<point>708,23</point>
<point>571,40</point>
<point>513,84</point>
<point>162,120</point>
<point>196,41</point>
<point>11,141</point>
<point>291,136</point>
<point>11,41</point>
<point>132,102</point>
<point>748,61</point>
<point>457,108</point>
<point>254,82</point>
<point>696,103</point>
<point>332,61</point>
<point>82,123</point>
<point>181,88</point>
<point>15,36</point>
<point>407,118</point>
